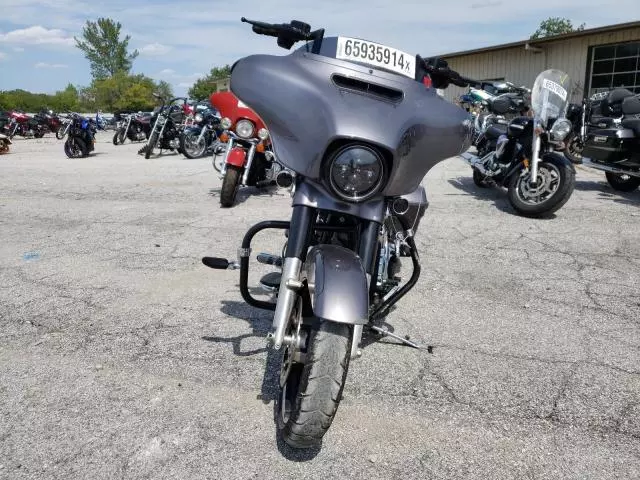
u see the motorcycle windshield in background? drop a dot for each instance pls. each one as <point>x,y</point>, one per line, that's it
<point>550,95</point>
<point>479,95</point>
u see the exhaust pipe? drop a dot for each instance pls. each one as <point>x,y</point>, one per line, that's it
<point>284,179</point>
<point>608,168</point>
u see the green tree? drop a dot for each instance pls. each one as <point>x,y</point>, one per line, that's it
<point>164,90</point>
<point>205,86</point>
<point>102,46</point>
<point>555,26</point>
<point>66,99</point>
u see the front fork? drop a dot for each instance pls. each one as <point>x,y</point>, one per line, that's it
<point>295,255</point>
<point>202,132</point>
<point>535,157</point>
<point>226,157</point>
<point>126,129</point>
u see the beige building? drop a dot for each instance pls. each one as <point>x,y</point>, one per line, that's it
<point>221,85</point>
<point>596,59</point>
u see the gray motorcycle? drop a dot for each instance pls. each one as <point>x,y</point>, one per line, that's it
<point>357,201</point>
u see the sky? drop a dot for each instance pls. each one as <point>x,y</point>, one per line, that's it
<point>181,40</point>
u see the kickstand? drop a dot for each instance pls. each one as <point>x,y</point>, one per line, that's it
<point>387,333</point>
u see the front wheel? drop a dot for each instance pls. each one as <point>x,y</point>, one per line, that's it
<point>151,145</point>
<point>310,392</point>
<point>556,181</point>
<point>230,185</point>
<point>118,137</point>
<point>479,179</point>
<point>622,182</point>
<point>191,147</point>
<point>573,151</point>
<point>75,148</point>
<point>62,131</point>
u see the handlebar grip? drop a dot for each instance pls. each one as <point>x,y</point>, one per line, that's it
<point>269,31</point>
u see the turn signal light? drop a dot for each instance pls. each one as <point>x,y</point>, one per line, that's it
<point>224,137</point>
<point>260,147</point>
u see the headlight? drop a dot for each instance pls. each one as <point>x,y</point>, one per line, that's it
<point>356,173</point>
<point>244,128</point>
<point>225,123</point>
<point>561,128</point>
<point>198,117</point>
<point>263,134</point>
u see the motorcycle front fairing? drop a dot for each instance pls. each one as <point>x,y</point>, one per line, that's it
<point>310,101</point>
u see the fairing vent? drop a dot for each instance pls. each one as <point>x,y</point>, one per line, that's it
<point>367,88</point>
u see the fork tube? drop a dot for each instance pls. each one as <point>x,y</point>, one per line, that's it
<point>127,129</point>
<point>226,156</point>
<point>202,130</point>
<point>247,166</point>
<point>295,254</point>
<point>535,152</point>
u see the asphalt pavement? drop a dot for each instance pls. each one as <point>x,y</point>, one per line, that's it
<point>123,357</point>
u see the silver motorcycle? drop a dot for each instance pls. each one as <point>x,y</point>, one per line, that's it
<point>357,201</point>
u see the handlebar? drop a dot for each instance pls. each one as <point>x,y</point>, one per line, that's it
<point>286,33</point>
<point>441,75</point>
<point>295,31</point>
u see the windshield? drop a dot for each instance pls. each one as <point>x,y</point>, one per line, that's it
<point>479,94</point>
<point>550,95</point>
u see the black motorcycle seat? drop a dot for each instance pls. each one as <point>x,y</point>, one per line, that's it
<point>633,124</point>
<point>495,130</point>
<point>631,105</point>
<point>602,122</point>
<point>611,104</point>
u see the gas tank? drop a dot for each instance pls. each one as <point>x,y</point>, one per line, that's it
<point>519,127</point>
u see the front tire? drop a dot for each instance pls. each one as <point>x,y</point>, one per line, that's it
<point>573,151</point>
<point>230,186</point>
<point>479,179</point>
<point>621,182</point>
<point>190,147</point>
<point>150,145</point>
<point>556,183</point>
<point>311,394</point>
<point>75,148</point>
<point>62,132</point>
<point>118,137</point>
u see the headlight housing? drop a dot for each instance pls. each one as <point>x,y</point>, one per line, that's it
<point>244,128</point>
<point>560,129</point>
<point>356,172</point>
<point>225,123</point>
<point>263,134</point>
<point>198,118</point>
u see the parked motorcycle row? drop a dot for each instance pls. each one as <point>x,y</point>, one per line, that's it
<point>513,126</point>
<point>80,131</point>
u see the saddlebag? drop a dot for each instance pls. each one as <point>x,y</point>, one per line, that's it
<point>611,145</point>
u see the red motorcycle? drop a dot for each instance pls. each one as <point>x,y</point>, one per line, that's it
<point>49,121</point>
<point>248,159</point>
<point>24,125</point>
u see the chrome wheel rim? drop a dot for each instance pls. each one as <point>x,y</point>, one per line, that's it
<point>547,185</point>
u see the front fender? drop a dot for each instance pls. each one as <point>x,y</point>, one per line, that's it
<point>558,159</point>
<point>194,129</point>
<point>337,285</point>
<point>553,157</point>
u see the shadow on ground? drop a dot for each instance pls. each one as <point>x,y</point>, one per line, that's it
<point>605,192</point>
